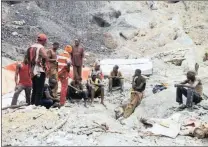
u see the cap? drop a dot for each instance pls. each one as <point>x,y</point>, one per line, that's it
<point>68,48</point>
<point>42,37</point>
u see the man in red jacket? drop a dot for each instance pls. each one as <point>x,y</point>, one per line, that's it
<point>24,83</point>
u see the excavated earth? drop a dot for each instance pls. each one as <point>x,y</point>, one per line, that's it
<point>170,31</point>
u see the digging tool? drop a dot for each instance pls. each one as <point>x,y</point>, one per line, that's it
<point>14,106</point>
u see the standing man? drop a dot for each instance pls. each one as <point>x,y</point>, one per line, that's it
<point>24,82</point>
<point>77,59</point>
<point>115,79</point>
<point>37,58</point>
<point>190,88</point>
<point>64,63</point>
<point>53,66</point>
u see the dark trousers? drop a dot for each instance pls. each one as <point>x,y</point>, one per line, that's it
<point>72,95</point>
<point>38,87</point>
<point>190,94</point>
<point>18,90</point>
<point>46,103</point>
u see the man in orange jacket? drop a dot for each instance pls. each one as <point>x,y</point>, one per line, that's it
<point>64,64</point>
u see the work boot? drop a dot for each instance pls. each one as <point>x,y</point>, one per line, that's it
<point>190,109</point>
<point>181,107</point>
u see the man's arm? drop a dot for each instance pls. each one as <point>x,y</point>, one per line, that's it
<point>17,73</point>
<point>49,54</point>
<point>44,54</point>
<point>184,82</point>
<point>48,96</point>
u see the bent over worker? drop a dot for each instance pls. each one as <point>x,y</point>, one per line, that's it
<point>116,79</point>
<point>48,100</point>
<point>64,64</point>
<point>24,83</point>
<point>77,59</point>
<point>95,88</point>
<point>37,58</point>
<point>190,88</point>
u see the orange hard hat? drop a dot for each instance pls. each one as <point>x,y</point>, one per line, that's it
<point>42,37</point>
<point>68,48</point>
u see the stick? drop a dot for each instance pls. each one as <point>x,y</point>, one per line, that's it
<point>14,106</point>
<point>74,88</point>
<point>56,128</point>
<point>35,117</point>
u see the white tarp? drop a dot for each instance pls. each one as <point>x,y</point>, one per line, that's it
<point>171,130</point>
<point>127,66</point>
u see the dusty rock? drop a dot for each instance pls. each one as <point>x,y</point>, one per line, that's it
<point>20,23</point>
<point>14,33</point>
<point>109,41</point>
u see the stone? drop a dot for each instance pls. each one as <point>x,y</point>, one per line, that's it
<point>14,33</point>
<point>20,23</point>
<point>153,25</point>
<point>109,41</point>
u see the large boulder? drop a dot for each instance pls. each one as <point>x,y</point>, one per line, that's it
<point>109,41</point>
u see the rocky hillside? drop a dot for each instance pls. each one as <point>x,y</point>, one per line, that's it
<point>101,26</point>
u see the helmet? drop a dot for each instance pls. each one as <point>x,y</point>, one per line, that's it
<point>68,48</point>
<point>42,37</point>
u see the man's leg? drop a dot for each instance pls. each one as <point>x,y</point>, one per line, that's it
<point>110,84</point>
<point>33,90</point>
<point>121,84</point>
<point>28,95</point>
<point>54,74</point>
<point>79,71</point>
<point>64,86</point>
<point>75,74</point>
<point>46,103</point>
<point>102,95</point>
<point>92,91</point>
<point>40,81</point>
<point>189,101</point>
<point>179,92</point>
<point>196,98</point>
<point>18,89</point>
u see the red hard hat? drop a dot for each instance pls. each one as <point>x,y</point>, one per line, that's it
<point>42,37</point>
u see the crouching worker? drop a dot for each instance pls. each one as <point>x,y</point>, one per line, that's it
<point>191,88</point>
<point>116,79</point>
<point>24,83</point>
<point>75,91</point>
<point>138,87</point>
<point>95,89</point>
<point>48,99</point>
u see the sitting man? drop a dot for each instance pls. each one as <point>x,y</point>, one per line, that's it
<point>48,100</point>
<point>115,79</point>
<point>75,91</point>
<point>95,88</point>
<point>190,88</point>
<point>138,87</point>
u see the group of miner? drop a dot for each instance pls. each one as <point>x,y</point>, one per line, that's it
<point>42,68</point>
